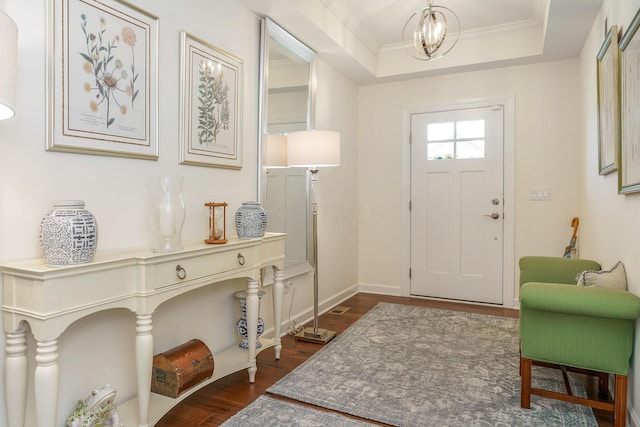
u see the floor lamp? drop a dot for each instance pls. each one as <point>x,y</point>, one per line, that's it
<point>314,149</point>
<point>9,54</point>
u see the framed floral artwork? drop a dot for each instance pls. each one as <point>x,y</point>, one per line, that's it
<point>102,58</point>
<point>608,106</point>
<point>211,82</point>
<point>629,175</point>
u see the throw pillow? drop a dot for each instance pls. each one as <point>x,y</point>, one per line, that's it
<point>614,278</point>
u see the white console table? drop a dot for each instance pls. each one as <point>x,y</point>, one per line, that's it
<point>49,299</point>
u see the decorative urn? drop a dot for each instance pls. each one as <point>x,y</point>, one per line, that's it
<point>251,220</point>
<point>68,234</point>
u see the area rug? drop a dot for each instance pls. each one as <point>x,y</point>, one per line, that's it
<point>267,411</point>
<point>415,366</point>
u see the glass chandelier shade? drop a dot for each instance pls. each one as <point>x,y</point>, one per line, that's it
<point>431,31</point>
<point>424,35</point>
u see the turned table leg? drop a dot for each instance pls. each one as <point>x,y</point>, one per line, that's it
<point>15,377</point>
<point>278,291</point>
<point>252,325</point>
<point>46,382</point>
<point>144,364</point>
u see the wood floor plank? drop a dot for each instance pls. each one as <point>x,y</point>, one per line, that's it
<point>218,401</point>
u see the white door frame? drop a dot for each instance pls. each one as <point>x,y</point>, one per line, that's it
<point>508,255</point>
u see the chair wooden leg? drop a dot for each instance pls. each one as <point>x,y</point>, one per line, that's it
<point>620,409</point>
<point>525,389</point>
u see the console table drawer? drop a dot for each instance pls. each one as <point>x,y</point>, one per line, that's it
<point>176,271</point>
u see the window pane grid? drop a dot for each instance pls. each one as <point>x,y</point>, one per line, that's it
<point>456,140</point>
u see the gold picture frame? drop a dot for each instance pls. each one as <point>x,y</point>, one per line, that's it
<point>102,78</point>
<point>210,105</point>
<point>629,174</point>
<point>608,103</point>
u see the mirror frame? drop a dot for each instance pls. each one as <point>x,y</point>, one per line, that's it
<point>272,31</point>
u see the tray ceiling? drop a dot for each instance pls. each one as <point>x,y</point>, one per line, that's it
<point>362,38</point>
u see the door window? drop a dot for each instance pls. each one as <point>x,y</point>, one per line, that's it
<point>456,140</point>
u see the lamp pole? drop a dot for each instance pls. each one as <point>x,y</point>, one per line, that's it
<point>314,210</point>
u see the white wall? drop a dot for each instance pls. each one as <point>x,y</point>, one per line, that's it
<point>99,349</point>
<point>609,223</point>
<point>546,148</point>
<point>337,106</point>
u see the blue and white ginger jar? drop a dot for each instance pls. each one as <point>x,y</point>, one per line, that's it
<point>68,234</point>
<point>251,220</point>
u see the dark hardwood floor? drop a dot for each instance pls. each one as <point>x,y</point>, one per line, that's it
<point>215,403</point>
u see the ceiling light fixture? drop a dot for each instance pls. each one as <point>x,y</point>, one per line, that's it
<point>431,39</point>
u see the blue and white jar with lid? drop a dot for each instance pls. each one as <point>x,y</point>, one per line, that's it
<point>68,234</point>
<point>251,220</point>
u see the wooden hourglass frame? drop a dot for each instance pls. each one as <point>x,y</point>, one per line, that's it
<point>217,223</point>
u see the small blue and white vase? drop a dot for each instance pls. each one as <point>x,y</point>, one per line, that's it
<point>241,325</point>
<point>68,234</point>
<point>251,220</point>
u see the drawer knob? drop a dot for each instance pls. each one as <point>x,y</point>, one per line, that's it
<point>240,259</point>
<point>181,272</point>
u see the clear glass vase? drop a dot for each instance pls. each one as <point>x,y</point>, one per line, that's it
<point>167,213</point>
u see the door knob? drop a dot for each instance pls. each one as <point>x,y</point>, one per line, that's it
<point>494,215</point>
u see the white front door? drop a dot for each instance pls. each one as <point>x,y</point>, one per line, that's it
<point>457,204</point>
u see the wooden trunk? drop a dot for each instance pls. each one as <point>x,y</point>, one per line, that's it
<point>181,367</point>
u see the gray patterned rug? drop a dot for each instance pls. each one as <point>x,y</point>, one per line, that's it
<point>414,366</point>
<point>267,411</point>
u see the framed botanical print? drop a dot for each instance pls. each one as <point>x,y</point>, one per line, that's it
<point>629,175</point>
<point>102,62</point>
<point>608,105</point>
<point>210,105</point>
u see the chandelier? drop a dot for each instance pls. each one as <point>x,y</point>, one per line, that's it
<point>427,36</point>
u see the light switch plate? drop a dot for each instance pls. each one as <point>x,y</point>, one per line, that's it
<point>539,193</point>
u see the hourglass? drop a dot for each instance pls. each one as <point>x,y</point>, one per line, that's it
<point>217,223</point>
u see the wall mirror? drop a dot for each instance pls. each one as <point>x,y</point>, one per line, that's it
<point>286,105</point>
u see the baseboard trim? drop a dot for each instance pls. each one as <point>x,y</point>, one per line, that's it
<point>306,315</point>
<point>632,417</point>
<point>372,288</point>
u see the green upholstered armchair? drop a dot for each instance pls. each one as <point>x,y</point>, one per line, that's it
<point>583,327</point>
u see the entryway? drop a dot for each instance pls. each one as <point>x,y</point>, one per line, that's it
<point>457,203</point>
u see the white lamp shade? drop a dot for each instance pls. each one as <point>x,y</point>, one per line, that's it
<point>276,151</point>
<point>9,55</point>
<point>313,148</point>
